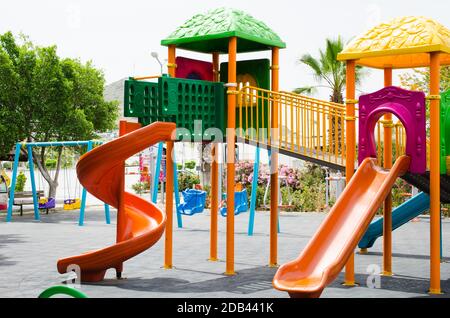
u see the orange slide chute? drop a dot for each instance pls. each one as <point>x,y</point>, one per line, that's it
<point>140,224</point>
<point>337,237</point>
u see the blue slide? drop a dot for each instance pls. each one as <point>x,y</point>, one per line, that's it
<point>400,215</point>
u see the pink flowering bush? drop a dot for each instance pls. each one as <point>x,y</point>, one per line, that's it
<point>303,189</point>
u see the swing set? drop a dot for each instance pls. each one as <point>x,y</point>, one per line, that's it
<point>193,199</point>
<point>70,202</point>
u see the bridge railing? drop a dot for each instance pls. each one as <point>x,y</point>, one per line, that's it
<point>307,126</point>
<point>310,127</point>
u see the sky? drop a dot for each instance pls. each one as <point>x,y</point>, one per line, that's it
<point>119,36</point>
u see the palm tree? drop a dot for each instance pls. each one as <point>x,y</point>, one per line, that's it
<point>328,71</point>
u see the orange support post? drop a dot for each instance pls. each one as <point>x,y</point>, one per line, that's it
<point>387,208</point>
<point>435,203</point>
<point>171,66</point>
<point>214,181</point>
<point>231,133</point>
<point>169,207</point>
<point>168,244</point>
<point>350,151</point>
<point>274,162</point>
<point>214,203</point>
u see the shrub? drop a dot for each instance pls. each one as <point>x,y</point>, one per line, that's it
<point>207,188</point>
<point>260,191</point>
<point>20,182</point>
<point>305,188</point>
<point>141,187</point>
<point>400,188</point>
<point>187,181</point>
<point>190,164</point>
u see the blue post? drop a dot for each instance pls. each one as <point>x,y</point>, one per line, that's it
<point>269,154</point>
<point>251,220</point>
<point>83,195</point>
<point>107,216</point>
<point>156,175</point>
<point>33,183</point>
<point>13,183</point>
<point>177,193</point>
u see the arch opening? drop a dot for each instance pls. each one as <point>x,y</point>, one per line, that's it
<point>409,108</point>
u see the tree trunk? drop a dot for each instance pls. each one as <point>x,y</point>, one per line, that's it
<point>336,120</point>
<point>40,162</point>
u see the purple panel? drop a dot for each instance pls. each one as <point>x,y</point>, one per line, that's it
<point>409,108</point>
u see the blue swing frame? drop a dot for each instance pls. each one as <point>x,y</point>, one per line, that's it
<point>89,143</point>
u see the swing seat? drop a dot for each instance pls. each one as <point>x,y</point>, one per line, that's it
<point>240,203</point>
<point>72,204</point>
<point>194,202</point>
<point>47,203</point>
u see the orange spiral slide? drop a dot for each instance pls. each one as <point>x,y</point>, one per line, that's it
<point>140,224</point>
<point>329,249</point>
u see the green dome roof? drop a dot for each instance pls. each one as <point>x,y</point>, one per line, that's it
<point>210,32</point>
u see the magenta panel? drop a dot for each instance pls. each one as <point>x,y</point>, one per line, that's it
<point>194,69</point>
<point>409,108</point>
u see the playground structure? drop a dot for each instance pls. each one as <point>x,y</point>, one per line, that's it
<point>46,203</point>
<point>295,125</point>
<point>428,46</point>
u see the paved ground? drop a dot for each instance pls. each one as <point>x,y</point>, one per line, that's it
<point>29,250</point>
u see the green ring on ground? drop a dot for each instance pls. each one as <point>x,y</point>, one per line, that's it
<point>62,290</point>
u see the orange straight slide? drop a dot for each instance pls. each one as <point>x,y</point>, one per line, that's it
<point>140,224</point>
<point>329,249</point>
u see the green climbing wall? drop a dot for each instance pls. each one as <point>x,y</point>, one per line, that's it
<point>259,73</point>
<point>182,101</point>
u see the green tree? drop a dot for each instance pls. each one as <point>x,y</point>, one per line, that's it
<point>47,98</point>
<point>21,180</point>
<point>419,79</point>
<point>331,74</point>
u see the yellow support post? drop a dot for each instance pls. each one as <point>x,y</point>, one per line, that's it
<point>169,207</point>
<point>274,162</point>
<point>231,132</point>
<point>214,180</point>
<point>351,149</point>
<point>387,207</point>
<point>435,203</point>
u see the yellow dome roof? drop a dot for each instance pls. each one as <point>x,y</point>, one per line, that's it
<point>402,43</point>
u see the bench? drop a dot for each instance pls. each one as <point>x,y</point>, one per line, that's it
<point>20,199</point>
